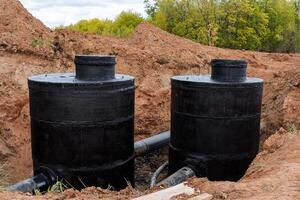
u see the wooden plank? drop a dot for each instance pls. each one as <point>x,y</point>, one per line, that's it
<point>168,193</point>
<point>203,196</point>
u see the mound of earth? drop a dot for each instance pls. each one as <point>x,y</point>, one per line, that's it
<point>151,55</point>
<point>20,32</point>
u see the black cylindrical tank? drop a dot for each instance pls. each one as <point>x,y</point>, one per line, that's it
<point>215,121</point>
<point>82,125</point>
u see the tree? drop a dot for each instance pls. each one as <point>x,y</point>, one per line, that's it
<point>151,7</point>
<point>192,19</point>
<point>243,25</point>
<point>263,25</point>
<point>122,26</point>
<point>268,25</point>
<point>125,23</point>
<point>283,30</point>
<point>208,9</point>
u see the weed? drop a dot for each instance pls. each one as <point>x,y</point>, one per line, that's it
<point>131,188</point>
<point>260,165</point>
<point>37,42</point>
<point>292,128</point>
<point>37,192</point>
<point>3,177</point>
<point>57,187</point>
<point>81,182</point>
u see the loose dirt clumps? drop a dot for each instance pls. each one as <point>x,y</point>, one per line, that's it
<point>20,32</point>
<point>27,47</point>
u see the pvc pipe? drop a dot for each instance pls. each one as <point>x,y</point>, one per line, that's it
<point>156,174</point>
<point>152,143</point>
<point>41,182</point>
<point>31,184</point>
<point>178,177</point>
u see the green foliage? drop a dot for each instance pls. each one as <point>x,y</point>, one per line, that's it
<point>282,25</point>
<point>292,128</point>
<point>57,187</point>
<point>267,25</point>
<point>262,25</point>
<point>3,177</point>
<point>125,23</point>
<point>151,7</point>
<point>122,26</point>
<point>37,42</point>
<point>243,25</point>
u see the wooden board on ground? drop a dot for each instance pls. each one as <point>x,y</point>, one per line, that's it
<point>168,193</point>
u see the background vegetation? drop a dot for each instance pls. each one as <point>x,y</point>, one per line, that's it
<point>122,26</point>
<point>261,25</point>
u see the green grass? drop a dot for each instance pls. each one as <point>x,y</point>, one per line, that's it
<point>292,129</point>
<point>37,42</point>
<point>3,178</point>
<point>56,188</point>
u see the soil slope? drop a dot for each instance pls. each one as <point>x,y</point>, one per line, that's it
<point>151,55</point>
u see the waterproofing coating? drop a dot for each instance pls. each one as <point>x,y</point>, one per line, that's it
<point>83,128</point>
<point>215,125</point>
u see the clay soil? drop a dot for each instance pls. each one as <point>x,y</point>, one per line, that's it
<point>28,47</point>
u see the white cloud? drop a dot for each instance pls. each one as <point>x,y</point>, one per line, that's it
<point>64,12</point>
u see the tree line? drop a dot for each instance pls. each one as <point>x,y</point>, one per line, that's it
<point>260,25</point>
<point>122,26</point>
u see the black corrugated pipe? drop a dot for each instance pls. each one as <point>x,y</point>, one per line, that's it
<point>47,177</point>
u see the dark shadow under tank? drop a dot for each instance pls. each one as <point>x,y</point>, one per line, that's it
<point>82,125</point>
<point>215,121</point>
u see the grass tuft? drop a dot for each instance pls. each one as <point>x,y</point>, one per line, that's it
<point>57,187</point>
<point>292,128</point>
<point>3,177</point>
<point>37,42</point>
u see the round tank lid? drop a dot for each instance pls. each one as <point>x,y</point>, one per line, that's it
<point>95,67</point>
<point>228,70</point>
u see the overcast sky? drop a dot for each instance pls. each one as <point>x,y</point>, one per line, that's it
<point>64,12</point>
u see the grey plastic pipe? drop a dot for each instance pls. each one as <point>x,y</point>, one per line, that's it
<point>152,143</point>
<point>178,177</point>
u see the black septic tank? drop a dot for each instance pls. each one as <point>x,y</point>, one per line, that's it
<point>215,121</point>
<point>82,124</point>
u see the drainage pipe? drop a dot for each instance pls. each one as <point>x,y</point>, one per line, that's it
<point>178,177</point>
<point>30,185</point>
<point>147,145</point>
<point>40,182</point>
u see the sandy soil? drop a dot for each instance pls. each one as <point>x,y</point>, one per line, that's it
<point>151,55</point>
